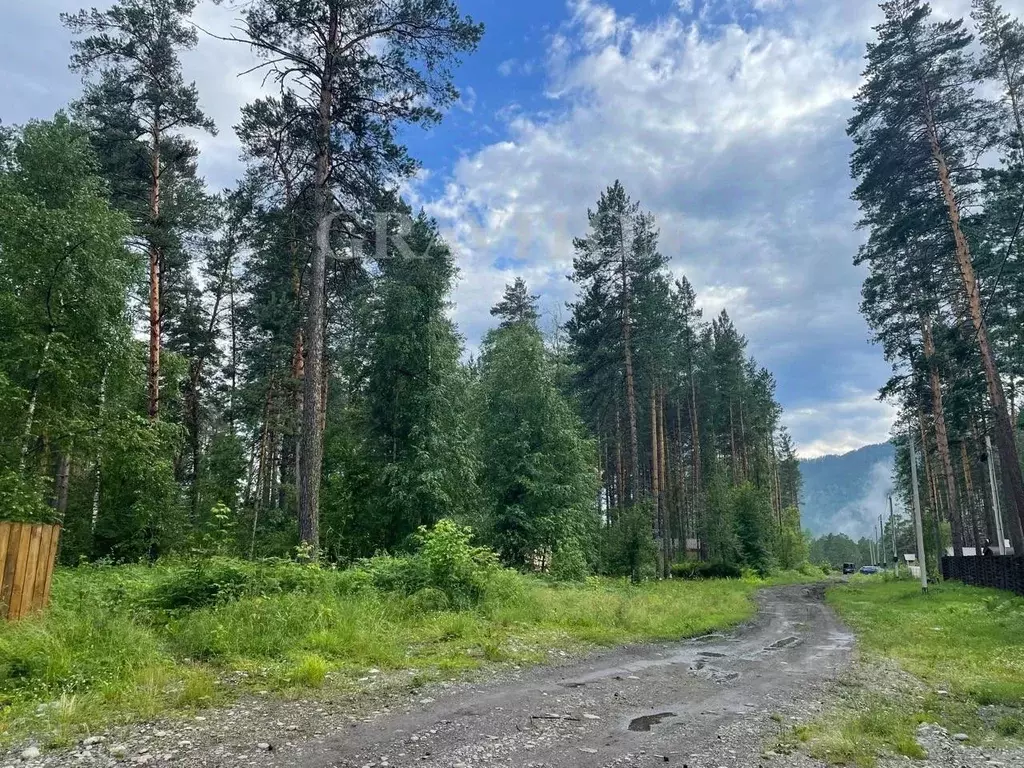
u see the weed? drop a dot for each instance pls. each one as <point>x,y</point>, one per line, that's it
<point>310,672</point>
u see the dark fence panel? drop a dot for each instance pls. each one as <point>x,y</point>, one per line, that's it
<point>998,572</point>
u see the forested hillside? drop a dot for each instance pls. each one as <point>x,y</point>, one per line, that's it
<point>272,370</point>
<point>842,494</point>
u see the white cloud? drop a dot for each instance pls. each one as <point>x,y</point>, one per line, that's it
<point>733,138</point>
<point>835,427</point>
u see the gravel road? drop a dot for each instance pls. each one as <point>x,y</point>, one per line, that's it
<point>713,702</point>
<point>705,702</point>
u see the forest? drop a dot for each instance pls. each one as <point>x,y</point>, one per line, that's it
<point>938,160</point>
<point>273,371</point>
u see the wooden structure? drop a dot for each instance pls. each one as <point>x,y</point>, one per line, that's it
<point>28,552</point>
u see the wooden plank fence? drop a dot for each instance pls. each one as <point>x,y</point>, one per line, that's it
<point>28,552</point>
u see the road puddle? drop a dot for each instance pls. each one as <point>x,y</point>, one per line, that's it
<point>645,722</point>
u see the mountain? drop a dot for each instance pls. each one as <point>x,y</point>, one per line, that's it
<point>846,494</point>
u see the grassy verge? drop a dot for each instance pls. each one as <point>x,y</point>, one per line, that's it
<point>110,649</point>
<point>953,656</point>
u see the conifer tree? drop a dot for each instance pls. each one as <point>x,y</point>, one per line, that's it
<point>140,103</point>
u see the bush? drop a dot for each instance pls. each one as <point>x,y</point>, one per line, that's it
<point>568,563</point>
<point>690,569</point>
<point>446,562</point>
<point>221,580</point>
<point>405,574</point>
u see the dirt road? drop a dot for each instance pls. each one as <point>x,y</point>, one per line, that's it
<point>706,702</point>
<point>715,701</point>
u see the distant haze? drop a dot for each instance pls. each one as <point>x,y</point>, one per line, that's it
<point>846,494</point>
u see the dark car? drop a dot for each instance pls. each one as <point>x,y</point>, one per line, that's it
<point>870,570</point>
<point>849,568</point>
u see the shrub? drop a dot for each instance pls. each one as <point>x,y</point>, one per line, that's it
<point>446,562</point>
<point>406,574</point>
<point>428,600</point>
<point>220,580</point>
<point>690,569</point>
<point>453,564</point>
<point>568,562</point>
<point>687,569</point>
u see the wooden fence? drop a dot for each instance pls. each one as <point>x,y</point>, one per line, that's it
<point>27,555</point>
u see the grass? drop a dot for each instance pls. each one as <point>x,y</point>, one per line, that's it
<point>131,642</point>
<point>965,645</point>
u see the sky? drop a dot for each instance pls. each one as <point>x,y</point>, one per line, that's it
<point>724,118</point>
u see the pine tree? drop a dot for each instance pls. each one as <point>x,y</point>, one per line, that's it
<point>919,128</point>
<point>354,72</point>
<point>133,49</point>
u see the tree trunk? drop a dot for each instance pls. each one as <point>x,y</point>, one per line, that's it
<point>930,478</point>
<point>153,373</point>
<point>620,469</point>
<point>61,484</point>
<point>627,332</point>
<point>664,495</point>
<point>1006,443</point>
<point>311,450</point>
<point>698,499</point>
<point>732,444</point>
<point>658,521</point>
<point>33,402</point>
<point>942,440</point>
<point>971,497</point>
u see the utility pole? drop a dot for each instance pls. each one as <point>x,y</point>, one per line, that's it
<point>881,542</point>
<point>918,527</point>
<point>995,494</point>
<point>892,532</point>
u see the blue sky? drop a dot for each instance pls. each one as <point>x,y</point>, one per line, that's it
<point>725,118</point>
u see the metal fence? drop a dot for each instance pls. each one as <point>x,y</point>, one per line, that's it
<point>998,572</point>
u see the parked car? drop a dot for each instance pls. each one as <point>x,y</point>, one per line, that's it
<point>870,570</point>
<point>849,568</point>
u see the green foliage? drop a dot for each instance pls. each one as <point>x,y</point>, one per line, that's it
<point>691,569</point>
<point>752,516</point>
<point>791,545</point>
<point>310,671</point>
<point>568,562</point>
<point>24,499</point>
<point>629,548</point>
<point>537,464</point>
<point>215,580</point>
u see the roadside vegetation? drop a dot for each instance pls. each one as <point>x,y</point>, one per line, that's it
<point>128,642</point>
<point>965,646</point>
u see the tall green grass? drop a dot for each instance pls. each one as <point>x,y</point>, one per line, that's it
<point>127,642</point>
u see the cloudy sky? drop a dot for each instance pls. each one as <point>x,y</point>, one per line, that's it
<point>725,118</point>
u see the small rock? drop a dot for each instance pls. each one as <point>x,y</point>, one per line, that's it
<point>118,751</point>
<point>588,716</point>
<point>960,737</point>
<point>588,750</point>
<point>30,753</point>
<point>90,740</point>
<point>264,746</point>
